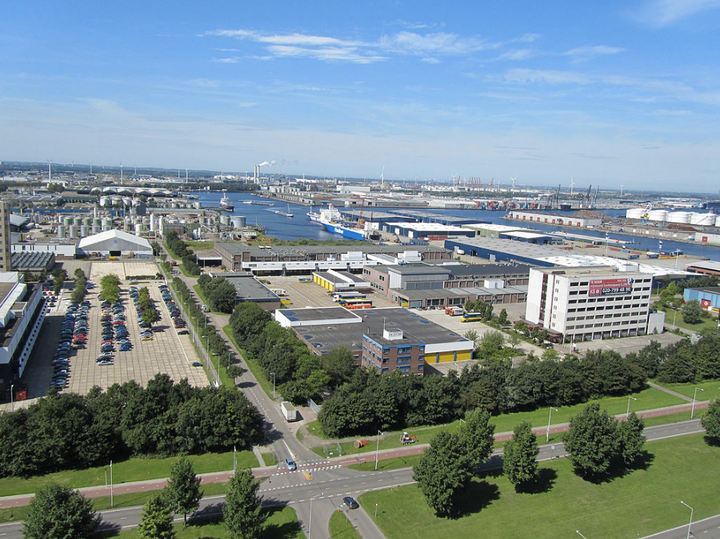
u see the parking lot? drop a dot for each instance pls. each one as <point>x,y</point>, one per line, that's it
<point>168,352</point>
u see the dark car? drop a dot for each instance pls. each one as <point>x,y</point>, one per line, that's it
<point>351,502</point>
<point>183,332</point>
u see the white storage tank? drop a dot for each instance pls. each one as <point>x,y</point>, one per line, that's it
<point>717,221</point>
<point>72,231</point>
<point>657,215</point>
<point>105,201</point>
<point>238,221</point>
<point>224,220</point>
<point>635,213</point>
<point>96,229</point>
<point>84,231</point>
<point>138,228</point>
<point>61,232</point>
<point>679,217</point>
<point>703,219</point>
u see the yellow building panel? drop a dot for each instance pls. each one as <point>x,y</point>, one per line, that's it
<point>445,357</point>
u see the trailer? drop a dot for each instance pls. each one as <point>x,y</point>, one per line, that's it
<point>288,411</point>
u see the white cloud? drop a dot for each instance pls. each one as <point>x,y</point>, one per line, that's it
<point>430,60</point>
<point>525,76</point>
<point>517,55</point>
<point>232,60</point>
<point>659,13</point>
<point>328,54</point>
<point>437,43</point>
<point>580,54</point>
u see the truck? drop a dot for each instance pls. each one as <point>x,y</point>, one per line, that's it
<point>288,411</point>
<point>454,311</point>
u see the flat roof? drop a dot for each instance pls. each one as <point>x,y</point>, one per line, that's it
<point>708,289</point>
<point>419,269</point>
<point>247,288</point>
<point>416,330</point>
<point>301,250</point>
<point>528,235</point>
<point>475,290</point>
<point>425,227</point>
<point>319,314</point>
<point>592,271</point>
<point>706,264</point>
<point>494,227</point>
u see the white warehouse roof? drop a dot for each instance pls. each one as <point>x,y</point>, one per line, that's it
<point>115,240</point>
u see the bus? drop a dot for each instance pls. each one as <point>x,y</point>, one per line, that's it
<point>341,297</point>
<point>358,304</point>
<point>471,317</point>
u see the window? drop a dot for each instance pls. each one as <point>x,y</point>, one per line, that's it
<point>403,370</point>
<point>402,360</point>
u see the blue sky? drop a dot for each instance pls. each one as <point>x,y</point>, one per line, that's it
<point>607,93</point>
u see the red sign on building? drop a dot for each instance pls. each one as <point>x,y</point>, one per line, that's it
<point>609,287</point>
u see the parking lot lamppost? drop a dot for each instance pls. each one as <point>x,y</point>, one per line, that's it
<point>111,486</point>
<point>12,397</point>
<point>580,534</point>
<point>195,329</point>
<point>547,433</point>
<point>217,370</point>
<point>377,449</point>
<point>692,511</point>
<point>692,412</point>
<point>310,524</point>
<point>273,375</point>
<point>627,416</point>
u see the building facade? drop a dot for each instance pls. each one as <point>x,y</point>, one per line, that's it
<point>4,238</point>
<point>590,303</point>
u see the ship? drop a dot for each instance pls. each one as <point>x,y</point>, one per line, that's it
<point>283,213</point>
<point>226,204</point>
<point>331,219</point>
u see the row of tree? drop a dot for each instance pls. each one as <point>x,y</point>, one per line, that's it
<point>299,373</point>
<point>218,292</point>
<point>180,250</point>
<point>78,293</point>
<point>371,401</point>
<point>599,447</point>
<point>71,431</point>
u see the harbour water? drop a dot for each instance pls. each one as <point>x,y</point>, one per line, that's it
<point>299,227</point>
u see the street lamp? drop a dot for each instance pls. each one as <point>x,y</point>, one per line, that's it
<point>580,534</point>
<point>547,434</point>
<point>311,504</point>
<point>217,370</point>
<point>692,413</point>
<point>377,449</point>
<point>195,329</point>
<point>273,375</point>
<point>628,410</point>
<point>692,511</point>
<point>12,397</point>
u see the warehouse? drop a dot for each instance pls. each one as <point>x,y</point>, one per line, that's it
<point>115,243</point>
<point>383,339</point>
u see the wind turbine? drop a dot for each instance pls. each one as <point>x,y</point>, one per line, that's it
<point>49,162</point>
<point>513,181</point>
<point>621,190</point>
<point>572,184</point>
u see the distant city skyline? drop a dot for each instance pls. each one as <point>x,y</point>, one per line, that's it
<point>609,94</point>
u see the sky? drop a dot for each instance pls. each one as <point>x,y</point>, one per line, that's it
<point>610,94</point>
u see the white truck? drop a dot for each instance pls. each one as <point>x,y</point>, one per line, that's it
<point>288,411</point>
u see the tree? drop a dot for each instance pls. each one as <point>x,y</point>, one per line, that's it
<point>490,343</point>
<point>243,513</point>
<point>693,311</point>
<point>514,340</point>
<point>519,458</point>
<point>183,488</point>
<point>477,434</point>
<point>58,512</point>
<point>629,439</point>
<point>443,472</point>
<point>503,318</point>
<point>591,442</point>
<point>157,519</point>
<point>150,316</point>
<point>340,364</point>
<point>711,422</point>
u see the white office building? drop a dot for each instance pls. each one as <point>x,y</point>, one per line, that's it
<point>591,303</point>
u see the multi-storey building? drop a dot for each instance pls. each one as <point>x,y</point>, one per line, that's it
<point>4,238</point>
<point>591,303</point>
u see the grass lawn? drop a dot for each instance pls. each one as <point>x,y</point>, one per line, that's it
<point>641,503</point>
<point>269,459</point>
<point>389,464</point>
<point>679,321</point>
<point>647,399</point>
<point>711,389</point>
<point>340,527</point>
<point>252,364</point>
<point>127,471</point>
<point>199,245</point>
<point>281,524</point>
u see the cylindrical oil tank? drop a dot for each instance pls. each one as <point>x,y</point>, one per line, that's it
<point>107,223</point>
<point>61,232</point>
<point>72,231</point>
<point>96,229</point>
<point>87,221</point>
<point>138,228</point>
<point>84,231</point>
<point>238,221</point>
<point>224,219</point>
<point>717,221</point>
<point>197,205</point>
<point>703,219</point>
<point>67,221</point>
<point>78,221</point>
<point>635,213</point>
<point>127,224</point>
<point>657,215</point>
<point>679,217</point>
<point>96,222</point>
<point>105,201</point>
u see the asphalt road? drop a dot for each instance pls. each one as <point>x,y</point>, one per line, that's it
<point>324,487</point>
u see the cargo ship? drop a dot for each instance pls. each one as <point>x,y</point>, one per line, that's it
<point>331,219</point>
<point>226,204</point>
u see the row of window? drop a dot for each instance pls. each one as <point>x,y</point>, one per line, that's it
<point>601,316</point>
<point>608,308</point>
<point>605,324</point>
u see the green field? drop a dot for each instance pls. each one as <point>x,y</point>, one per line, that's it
<point>643,502</point>
<point>647,399</point>
<point>281,524</point>
<point>136,469</point>
<point>340,527</point>
<point>711,389</point>
<point>679,321</point>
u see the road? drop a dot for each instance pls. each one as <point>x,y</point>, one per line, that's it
<point>327,484</point>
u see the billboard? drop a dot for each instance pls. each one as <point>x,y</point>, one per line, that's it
<point>610,287</point>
